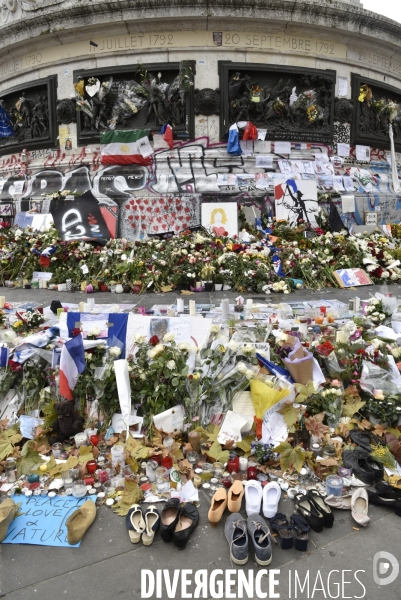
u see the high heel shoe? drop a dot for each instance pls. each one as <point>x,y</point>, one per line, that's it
<point>187,522</point>
<point>309,511</point>
<point>359,507</point>
<point>152,524</point>
<point>301,528</point>
<point>169,519</point>
<point>135,523</point>
<point>280,525</point>
<point>318,501</point>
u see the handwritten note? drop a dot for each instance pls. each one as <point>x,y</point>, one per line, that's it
<point>43,519</point>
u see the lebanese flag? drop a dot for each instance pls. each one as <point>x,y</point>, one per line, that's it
<point>121,148</point>
<point>72,363</point>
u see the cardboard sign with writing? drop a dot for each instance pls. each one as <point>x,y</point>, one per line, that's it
<point>43,519</point>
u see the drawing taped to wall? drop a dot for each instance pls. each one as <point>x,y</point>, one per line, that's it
<point>296,201</point>
<point>220,218</point>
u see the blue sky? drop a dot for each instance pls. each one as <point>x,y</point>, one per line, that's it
<point>388,8</point>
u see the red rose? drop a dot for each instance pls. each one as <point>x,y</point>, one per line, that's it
<point>154,340</point>
<point>75,332</point>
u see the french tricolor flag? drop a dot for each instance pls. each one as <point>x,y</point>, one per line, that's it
<point>4,352</point>
<point>72,363</point>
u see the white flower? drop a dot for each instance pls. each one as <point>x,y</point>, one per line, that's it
<point>115,351</point>
<point>169,337</point>
<point>215,328</point>
<point>155,351</point>
<point>88,357</point>
<point>170,365</point>
<point>242,368</point>
<point>233,346</point>
<point>249,374</point>
<point>95,331</point>
<point>9,336</point>
<point>124,257</point>
<point>139,339</point>
<point>248,349</point>
<point>184,346</point>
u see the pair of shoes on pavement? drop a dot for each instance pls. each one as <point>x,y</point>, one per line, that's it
<point>142,523</point>
<point>240,531</point>
<point>256,495</point>
<point>222,500</point>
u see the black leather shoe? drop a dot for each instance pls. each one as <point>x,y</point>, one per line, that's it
<point>308,510</point>
<point>357,461</point>
<point>364,439</point>
<point>188,520</point>
<point>169,519</point>
<point>318,502</point>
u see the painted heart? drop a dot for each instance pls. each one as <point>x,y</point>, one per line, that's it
<point>133,225</point>
<point>157,210</point>
<point>132,202</point>
<point>146,201</point>
<point>161,200</point>
<point>180,218</point>
<point>130,217</point>
<point>164,226</point>
<point>187,219</point>
<point>143,226</point>
<point>127,206</point>
<point>159,219</point>
<point>137,217</point>
<point>149,209</point>
<point>174,215</point>
<point>186,209</point>
<point>156,227</point>
<point>177,228</point>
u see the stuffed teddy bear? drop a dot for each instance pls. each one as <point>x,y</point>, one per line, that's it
<point>68,422</point>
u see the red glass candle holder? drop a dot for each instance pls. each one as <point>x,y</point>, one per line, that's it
<point>94,440</point>
<point>233,465</point>
<point>227,482</point>
<point>167,462</point>
<point>252,473</point>
<point>91,466</point>
<point>323,310</point>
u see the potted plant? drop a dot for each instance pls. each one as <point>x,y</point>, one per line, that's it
<point>218,282</point>
<point>207,274</point>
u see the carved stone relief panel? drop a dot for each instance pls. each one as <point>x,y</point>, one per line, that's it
<point>290,102</point>
<point>30,116</point>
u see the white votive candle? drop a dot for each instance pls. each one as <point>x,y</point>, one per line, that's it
<point>180,305</point>
<point>192,308</point>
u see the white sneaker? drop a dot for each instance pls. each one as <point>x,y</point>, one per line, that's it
<point>271,497</point>
<point>253,496</point>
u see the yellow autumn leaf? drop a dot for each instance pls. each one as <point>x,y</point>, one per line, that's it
<point>217,453</point>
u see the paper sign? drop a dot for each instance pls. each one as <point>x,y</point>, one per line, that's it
<point>343,149</point>
<point>342,86</point>
<point>17,187</point>
<point>43,520</point>
<point>338,183</point>
<point>363,153</point>
<point>23,220</point>
<point>40,275</point>
<point>159,142</point>
<point>28,425</point>
<point>188,493</point>
<point>348,204</point>
<point>246,147</point>
<point>171,420</point>
<point>84,269</point>
<point>262,134</point>
<point>261,147</point>
<point>262,181</point>
<point>282,147</point>
<point>231,428</point>
<point>348,183</point>
<point>264,161</point>
<point>144,147</point>
<point>226,179</point>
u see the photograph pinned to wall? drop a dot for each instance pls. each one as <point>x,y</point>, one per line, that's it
<point>296,201</point>
<point>221,218</point>
<point>262,181</point>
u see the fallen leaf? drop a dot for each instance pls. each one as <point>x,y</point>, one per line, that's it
<point>166,288</point>
<point>84,458</point>
<point>29,460</point>
<point>6,449</point>
<point>350,409</point>
<point>85,450</point>
<point>329,462</point>
<point>186,293</point>
<point>395,432</point>
<point>315,425</point>
<point>132,495</point>
<point>290,414</point>
<point>290,458</point>
<point>217,453</point>
<point>355,528</point>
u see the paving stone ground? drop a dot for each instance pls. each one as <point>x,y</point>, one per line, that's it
<point>108,566</point>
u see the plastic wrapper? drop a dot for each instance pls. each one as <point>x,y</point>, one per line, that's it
<point>300,364</point>
<point>373,377</point>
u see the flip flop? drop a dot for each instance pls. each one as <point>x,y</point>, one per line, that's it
<point>135,523</point>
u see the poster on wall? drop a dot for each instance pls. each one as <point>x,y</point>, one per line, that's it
<point>221,218</point>
<point>157,215</point>
<point>296,201</point>
<point>79,219</point>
